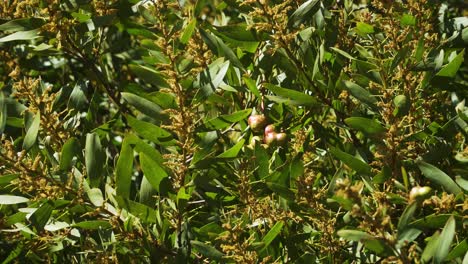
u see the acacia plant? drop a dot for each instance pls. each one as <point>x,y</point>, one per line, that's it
<point>255,131</point>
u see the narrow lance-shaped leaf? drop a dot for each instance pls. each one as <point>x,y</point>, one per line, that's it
<point>153,172</point>
<point>69,150</point>
<point>3,112</point>
<point>294,97</point>
<point>207,250</point>
<point>273,233</point>
<point>436,175</point>
<point>151,132</point>
<point>21,35</point>
<point>445,240</point>
<point>451,69</point>
<point>367,126</point>
<point>31,134</point>
<point>12,199</point>
<point>224,121</point>
<point>123,170</point>
<point>40,217</point>
<point>354,163</point>
<point>360,93</point>
<point>94,159</point>
<point>232,152</point>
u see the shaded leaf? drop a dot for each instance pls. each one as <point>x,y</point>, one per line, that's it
<point>273,233</point>
<point>353,162</point>
<point>445,240</point>
<point>31,134</point>
<point>93,224</point>
<point>143,105</point>
<point>294,97</point>
<point>224,121</point>
<point>152,171</point>
<point>360,93</point>
<point>94,159</point>
<point>305,11</point>
<point>367,126</point>
<point>124,169</point>
<point>69,150</point>
<point>232,152</point>
<point>41,216</point>
<point>149,75</point>
<point>151,132</point>
<point>207,250</point>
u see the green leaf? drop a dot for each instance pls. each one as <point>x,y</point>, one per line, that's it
<point>458,251</point>
<point>444,241</point>
<point>353,162</point>
<point>95,196</point>
<point>224,121</point>
<point>451,69</point>
<point>462,182</point>
<point>149,75</point>
<point>304,12</point>
<point>207,250</point>
<point>368,126</point>
<point>145,213</point>
<point>402,105</point>
<point>188,31</point>
<point>12,199</point>
<point>143,105</point>
<point>142,147</point>
<point>41,216</point>
<point>437,176</point>
<point>124,169</point>
<point>232,152</point>
<point>377,245</point>
<point>431,221</point>
<point>13,255</point>
<point>94,159</point>
<point>93,224</point>
<point>211,78</point>
<point>252,86</point>
<point>151,132</point>
<point>294,97</point>
<point>343,53</point>
<point>406,216</point>
<point>31,134</point>
<point>69,150</point>
<point>361,94</point>
<point>431,248</point>
<point>273,233</point>
<point>21,35</point>
<point>363,29</point>
<point>354,235</point>
<point>219,48</point>
<point>152,171</point>
<point>3,112</point>
<point>147,193</point>
<point>407,20</point>
<point>281,190</point>
<point>7,178</point>
<point>22,24</point>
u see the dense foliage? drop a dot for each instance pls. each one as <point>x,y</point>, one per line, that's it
<point>134,131</point>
